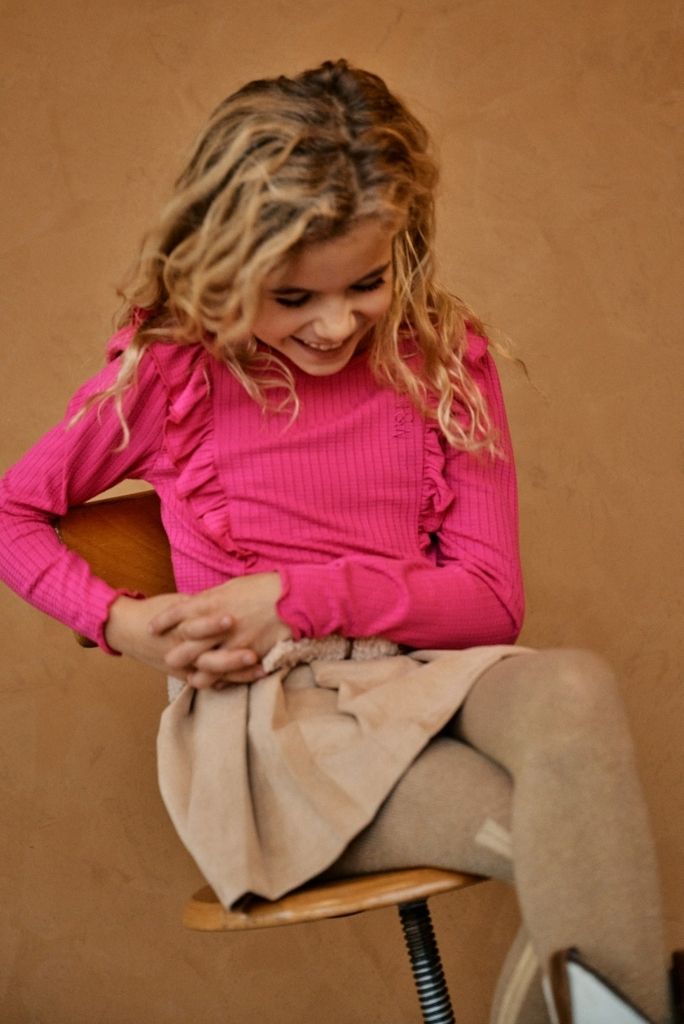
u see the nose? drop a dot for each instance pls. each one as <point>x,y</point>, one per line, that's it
<point>335,321</point>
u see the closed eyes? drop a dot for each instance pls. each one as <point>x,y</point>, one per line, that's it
<point>300,300</point>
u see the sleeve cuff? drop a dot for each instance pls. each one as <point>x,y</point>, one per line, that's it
<point>99,637</point>
<point>302,592</point>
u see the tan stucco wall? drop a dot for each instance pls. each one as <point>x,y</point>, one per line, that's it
<point>555,122</point>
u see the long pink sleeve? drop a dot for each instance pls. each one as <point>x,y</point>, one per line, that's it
<point>66,467</point>
<point>473,592</point>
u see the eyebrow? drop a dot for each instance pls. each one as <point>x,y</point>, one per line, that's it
<point>298,291</point>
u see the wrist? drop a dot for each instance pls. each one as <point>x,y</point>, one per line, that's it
<point>281,629</point>
<point>117,627</point>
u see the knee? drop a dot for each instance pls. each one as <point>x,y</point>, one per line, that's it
<point>579,693</point>
<point>581,673</point>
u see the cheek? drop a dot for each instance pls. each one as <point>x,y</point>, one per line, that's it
<point>379,304</point>
<point>275,323</point>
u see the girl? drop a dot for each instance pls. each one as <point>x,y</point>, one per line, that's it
<point>324,426</point>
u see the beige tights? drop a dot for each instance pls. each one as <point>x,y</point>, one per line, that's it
<point>539,765</point>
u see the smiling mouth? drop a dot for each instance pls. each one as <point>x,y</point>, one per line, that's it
<point>321,348</point>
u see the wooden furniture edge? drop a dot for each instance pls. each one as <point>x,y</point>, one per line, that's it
<point>320,900</point>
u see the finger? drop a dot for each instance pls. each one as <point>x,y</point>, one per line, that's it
<point>251,675</point>
<point>186,607</point>
<point>194,655</point>
<point>205,626</point>
<point>169,617</point>
<point>205,680</point>
<point>225,660</point>
<point>185,653</point>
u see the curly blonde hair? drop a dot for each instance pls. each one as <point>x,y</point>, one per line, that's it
<point>283,163</point>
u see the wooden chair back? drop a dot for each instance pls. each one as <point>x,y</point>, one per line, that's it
<point>123,541</point>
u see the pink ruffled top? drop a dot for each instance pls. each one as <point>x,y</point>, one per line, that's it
<point>375,524</point>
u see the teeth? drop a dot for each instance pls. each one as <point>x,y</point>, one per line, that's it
<point>321,348</point>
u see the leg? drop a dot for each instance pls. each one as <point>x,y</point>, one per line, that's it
<point>452,809</point>
<point>585,867</point>
<point>448,798</point>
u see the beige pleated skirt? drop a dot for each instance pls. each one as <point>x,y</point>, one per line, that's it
<point>268,783</point>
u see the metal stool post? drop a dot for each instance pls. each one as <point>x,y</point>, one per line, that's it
<point>425,963</point>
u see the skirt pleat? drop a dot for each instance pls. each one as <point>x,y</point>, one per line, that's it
<point>268,783</point>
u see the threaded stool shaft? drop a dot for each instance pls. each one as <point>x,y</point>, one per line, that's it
<point>425,963</point>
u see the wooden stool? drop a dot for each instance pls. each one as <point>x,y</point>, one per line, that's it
<point>124,542</point>
<point>408,890</point>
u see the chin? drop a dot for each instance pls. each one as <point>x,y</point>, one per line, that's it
<point>317,370</point>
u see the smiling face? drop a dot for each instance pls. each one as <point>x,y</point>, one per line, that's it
<point>321,305</point>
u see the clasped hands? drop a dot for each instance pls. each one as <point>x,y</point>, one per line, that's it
<point>210,639</point>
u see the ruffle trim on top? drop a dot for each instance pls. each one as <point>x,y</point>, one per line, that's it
<point>437,497</point>
<point>190,441</point>
<point>185,371</point>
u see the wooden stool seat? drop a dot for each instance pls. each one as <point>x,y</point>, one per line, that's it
<point>319,900</point>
